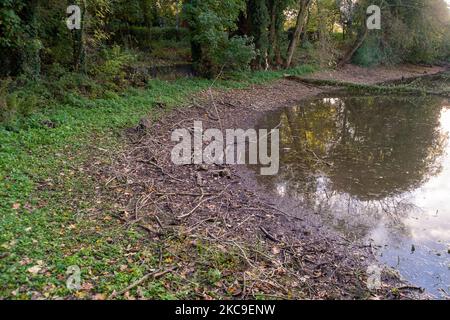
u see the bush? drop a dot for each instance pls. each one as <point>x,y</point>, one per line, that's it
<point>414,36</point>
<point>73,82</point>
<point>235,54</point>
<point>112,67</point>
<point>369,54</point>
<point>17,104</point>
<point>211,22</point>
<point>229,55</point>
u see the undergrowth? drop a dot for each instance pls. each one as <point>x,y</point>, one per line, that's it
<point>49,215</point>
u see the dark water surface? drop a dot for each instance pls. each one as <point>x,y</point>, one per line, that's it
<point>378,170</point>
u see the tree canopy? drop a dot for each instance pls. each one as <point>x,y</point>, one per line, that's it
<point>222,35</point>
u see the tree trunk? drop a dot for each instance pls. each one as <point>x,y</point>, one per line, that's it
<point>279,29</point>
<point>359,41</point>
<point>259,18</point>
<point>301,17</point>
<point>272,28</point>
<point>276,10</point>
<point>146,13</point>
<point>79,45</point>
<point>30,63</point>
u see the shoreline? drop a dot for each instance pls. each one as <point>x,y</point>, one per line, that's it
<point>224,207</point>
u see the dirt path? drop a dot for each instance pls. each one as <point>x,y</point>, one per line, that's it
<point>276,250</point>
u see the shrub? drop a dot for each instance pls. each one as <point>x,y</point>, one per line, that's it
<point>212,48</point>
<point>416,36</point>
<point>73,82</point>
<point>369,54</point>
<point>114,61</point>
<point>234,54</point>
<point>16,104</point>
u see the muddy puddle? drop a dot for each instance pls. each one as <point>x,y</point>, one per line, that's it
<point>377,169</point>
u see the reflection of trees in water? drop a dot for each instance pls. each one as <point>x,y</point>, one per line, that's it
<point>388,146</point>
<point>356,218</point>
<point>379,149</point>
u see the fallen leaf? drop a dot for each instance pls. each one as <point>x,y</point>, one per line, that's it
<point>34,269</point>
<point>123,267</point>
<point>87,286</point>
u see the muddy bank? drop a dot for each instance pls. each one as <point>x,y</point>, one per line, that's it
<point>378,74</point>
<point>281,251</point>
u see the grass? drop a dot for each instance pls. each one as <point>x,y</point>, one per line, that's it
<point>49,215</point>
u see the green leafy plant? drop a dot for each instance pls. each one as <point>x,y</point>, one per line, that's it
<point>114,60</point>
<point>210,22</point>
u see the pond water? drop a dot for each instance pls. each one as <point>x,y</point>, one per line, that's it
<point>377,169</point>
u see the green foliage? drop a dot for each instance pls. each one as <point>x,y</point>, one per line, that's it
<point>18,104</point>
<point>416,33</point>
<point>234,54</point>
<point>369,54</point>
<point>42,166</point>
<point>170,51</point>
<point>259,18</point>
<point>143,34</point>
<point>320,45</point>
<point>71,83</point>
<point>209,23</point>
<point>18,36</point>
<point>31,61</point>
<point>114,60</point>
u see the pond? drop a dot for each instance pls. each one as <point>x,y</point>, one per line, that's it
<point>377,169</point>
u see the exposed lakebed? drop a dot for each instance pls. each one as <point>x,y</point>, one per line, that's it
<point>377,169</point>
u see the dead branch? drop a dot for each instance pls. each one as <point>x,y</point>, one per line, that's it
<point>154,275</point>
<point>268,235</point>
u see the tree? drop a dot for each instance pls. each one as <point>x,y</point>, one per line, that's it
<point>259,25</point>
<point>277,19</point>
<point>210,24</point>
<point>413,32</point>
<point>78,42</point>
<point>19,41</point>
<point>303,7</point>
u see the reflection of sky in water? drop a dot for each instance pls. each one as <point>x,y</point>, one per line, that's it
<point>434,198</point>
<point>429,231</point>
<point>428,265</point>
<point>411,229</point>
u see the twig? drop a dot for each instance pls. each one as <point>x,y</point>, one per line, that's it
<point>162,171</point>
<point>154,275</point>
<point>202,200</point>
<point>207,112</point>
<point>243,254</point>
<point>283,212</point>
<point>411,288</point>
<point>318,158</point>
<point>212,97</point>
<point>159,222</point>
<point>268,235</point>
<point>128,223</point>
